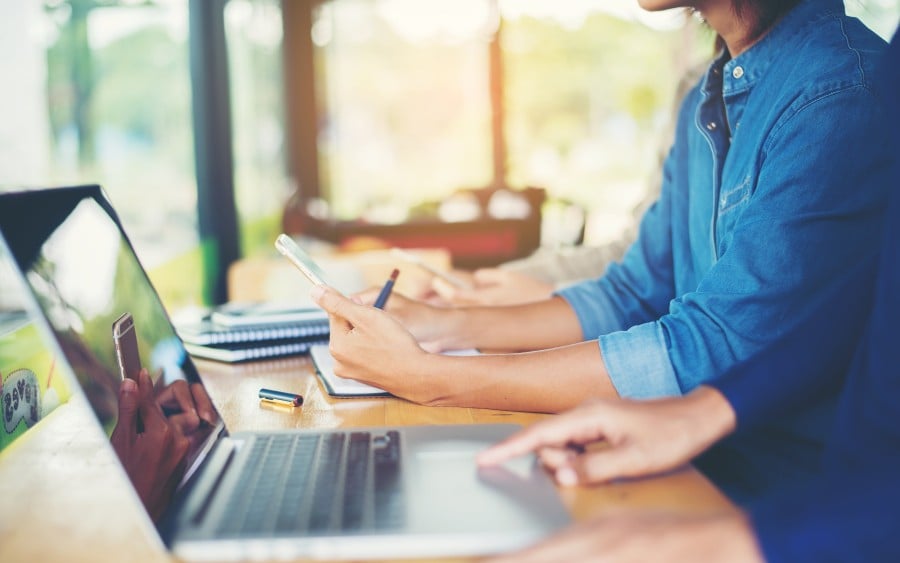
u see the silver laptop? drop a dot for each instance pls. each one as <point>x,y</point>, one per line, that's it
<point>358,493</point>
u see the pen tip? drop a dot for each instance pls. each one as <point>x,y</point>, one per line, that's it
<point>394,274</point>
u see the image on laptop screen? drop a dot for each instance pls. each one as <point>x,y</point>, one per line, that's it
<point>84,276</point>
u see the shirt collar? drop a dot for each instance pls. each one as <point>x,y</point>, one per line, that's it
<point>740,73</point>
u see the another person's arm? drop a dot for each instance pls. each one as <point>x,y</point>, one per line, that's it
<point>636,438</point>
<point>625,537</point>
<point>370,346</point>
<point>493,286</point>
<point>532,326</point>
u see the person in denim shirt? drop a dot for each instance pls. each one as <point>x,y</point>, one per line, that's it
<point>848,512</point>
<point>770,212</point>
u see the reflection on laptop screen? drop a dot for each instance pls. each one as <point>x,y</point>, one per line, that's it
<point>31,382</point>
<point>84,275</point>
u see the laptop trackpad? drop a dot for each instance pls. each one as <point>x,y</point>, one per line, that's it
<point>449,491</point>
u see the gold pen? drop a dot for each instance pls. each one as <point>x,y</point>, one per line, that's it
<point>280,397</point>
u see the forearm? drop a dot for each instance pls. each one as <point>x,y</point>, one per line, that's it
<point>544,381</point>
<point>705,416</point>
<point>532,326</point>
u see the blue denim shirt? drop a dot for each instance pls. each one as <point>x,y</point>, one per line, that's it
<point>772,196</point>
<point>850,512</point>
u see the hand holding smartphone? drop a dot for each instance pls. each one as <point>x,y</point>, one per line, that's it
<point>127,354</point>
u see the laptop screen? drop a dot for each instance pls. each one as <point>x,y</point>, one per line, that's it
<point>84,274</point>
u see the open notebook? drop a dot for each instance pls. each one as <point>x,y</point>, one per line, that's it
<point>343,387</point>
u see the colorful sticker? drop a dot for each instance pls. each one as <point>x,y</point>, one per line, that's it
<point>30,385</point>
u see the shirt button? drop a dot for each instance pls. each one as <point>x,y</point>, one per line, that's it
<point>711,126</point>
<point>737,72</point>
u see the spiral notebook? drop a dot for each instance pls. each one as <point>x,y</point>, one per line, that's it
<point>206,332</point>
<point>252,331</point>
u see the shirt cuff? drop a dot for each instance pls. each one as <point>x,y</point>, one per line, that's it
<point>593,308</point>
<point>638,363</point>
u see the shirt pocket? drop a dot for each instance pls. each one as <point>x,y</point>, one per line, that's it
<point>731,204</point>
<point>735,197</point>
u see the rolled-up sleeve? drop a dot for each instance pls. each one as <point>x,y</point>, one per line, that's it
<point>594,308</point>
<point>638,363</point>
<point>621,309</point>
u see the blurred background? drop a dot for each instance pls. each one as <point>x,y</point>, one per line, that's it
<point>213,125</point>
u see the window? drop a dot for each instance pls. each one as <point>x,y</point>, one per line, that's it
<point>407,100</point>
<point>254,38</point>
<point>588,90</point>
<point>403,88</point>
<point>103,96</point>
<point>404,100</point>
<point>405,109</point>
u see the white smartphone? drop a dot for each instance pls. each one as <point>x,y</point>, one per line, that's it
<point>127,354</point>
<point>446,276</point>
<point>287,247</point>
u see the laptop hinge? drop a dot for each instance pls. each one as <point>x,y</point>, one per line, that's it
<point>198,491</point>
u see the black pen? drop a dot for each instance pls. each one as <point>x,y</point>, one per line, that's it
<point>382,298</point>
<point>281,397</point>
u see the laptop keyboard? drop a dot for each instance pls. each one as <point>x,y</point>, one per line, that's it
<point>336,482</point>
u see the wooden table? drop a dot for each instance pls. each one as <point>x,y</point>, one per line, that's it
<point>64,498</point>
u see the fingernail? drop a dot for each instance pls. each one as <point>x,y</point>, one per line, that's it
<point>567,476</point>
<point>317,292</point>
<point>129,386</point>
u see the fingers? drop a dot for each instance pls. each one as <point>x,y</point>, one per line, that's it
<point>204,404</point>
<point>557,431</point>
<point>366,297</point>
<point>129,399</point>
<point>336,305</point>
<point>145,386</point>
<point>570,468</point>
<point>605,465</point>
<point>445,289</point>
<point>178,395</point>
<point>577,427</point>
<point>151,413</point>
<point>555,458</point>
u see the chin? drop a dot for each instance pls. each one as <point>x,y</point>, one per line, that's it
<point>659,5</point>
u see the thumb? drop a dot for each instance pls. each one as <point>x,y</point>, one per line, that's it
<point>600,466</point>
<point>334,303</point>
<point>444,289</point>
<point>128,407</point>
